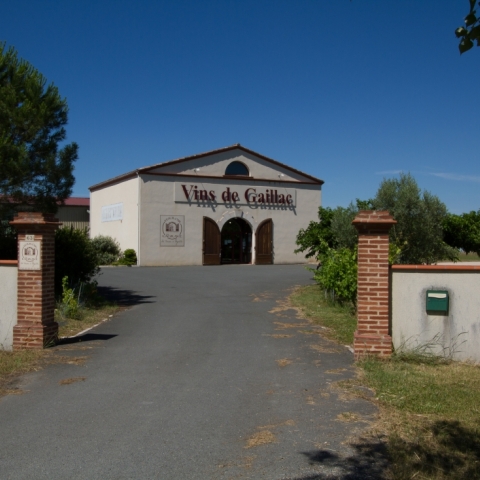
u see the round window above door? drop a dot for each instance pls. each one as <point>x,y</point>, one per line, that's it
<point>237,168</point>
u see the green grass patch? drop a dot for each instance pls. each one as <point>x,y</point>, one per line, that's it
<point>429,406</point>
<point>448,389</point>
<point>340,320</point>
<point>431,415</point>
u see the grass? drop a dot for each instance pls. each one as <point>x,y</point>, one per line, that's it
<point>340,322</point>
<point>18,362</point>
<point>429,406</point>
<point>87,317</point>
<point>431,414</point>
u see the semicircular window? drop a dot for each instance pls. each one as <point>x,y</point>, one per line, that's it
<point>237,168</point>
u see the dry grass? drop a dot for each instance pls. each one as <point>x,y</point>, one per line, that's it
<point>265,434</point>
<point>283,362</point>
<point>348,417</point>
<point>284,326</point>
<point>262,437</point>
<point>18,362</point>
<point>325,349</point>
<point>279,335</point>
<point>88,318</point>
<point>340,322</point>
<point>15,363</point>
<point>336,371</point>
<point>69,381</point>
<point>76,360</point>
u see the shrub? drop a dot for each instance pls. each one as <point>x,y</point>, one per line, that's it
<point>338,275</point>
<point>75,257</point>
<point>69,305</point>
<point>74,301</point>
<point>129,257</point>
<point>106,248</point>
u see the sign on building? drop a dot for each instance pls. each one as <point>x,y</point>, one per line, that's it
<point>172,230</point>
<point>111,213</point>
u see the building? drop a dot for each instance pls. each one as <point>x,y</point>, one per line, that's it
<point>230,205</point>
<point>74,212</point>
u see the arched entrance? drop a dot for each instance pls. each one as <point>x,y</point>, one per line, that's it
<point>236,242</point>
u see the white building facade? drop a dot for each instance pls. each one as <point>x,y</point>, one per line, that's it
<point>226,206</point>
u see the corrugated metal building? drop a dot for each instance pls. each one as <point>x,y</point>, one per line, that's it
<point>75,212</point>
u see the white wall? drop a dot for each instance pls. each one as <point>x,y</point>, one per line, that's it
<point>157,198</point>
<point>8,304</point>
<point>125,231</point>
<point>458,332</point>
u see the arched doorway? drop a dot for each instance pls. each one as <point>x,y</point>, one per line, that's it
<point>236,242</point>
<point>264,243</point>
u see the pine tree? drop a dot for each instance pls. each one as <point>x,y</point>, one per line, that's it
<point>34,170</point>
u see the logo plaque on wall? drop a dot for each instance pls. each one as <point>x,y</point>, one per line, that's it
<point>172,230</point>
<point>29,255</point>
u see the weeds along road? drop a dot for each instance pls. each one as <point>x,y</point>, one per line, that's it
<point>207,375</point>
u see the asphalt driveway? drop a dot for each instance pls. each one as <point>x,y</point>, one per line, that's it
<point>209,374</point>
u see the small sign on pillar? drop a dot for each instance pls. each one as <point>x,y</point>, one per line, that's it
<point>29,254</point>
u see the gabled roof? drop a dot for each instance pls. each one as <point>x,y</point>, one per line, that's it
<point>69,202</point>
<point>76,202</point>
<point>237,146</point>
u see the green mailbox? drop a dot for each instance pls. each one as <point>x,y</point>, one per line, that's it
<point>437,301</point>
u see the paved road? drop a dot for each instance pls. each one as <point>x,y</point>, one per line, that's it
<point>208,375</point>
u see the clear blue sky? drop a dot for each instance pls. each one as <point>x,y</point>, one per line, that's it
<point>348,91</point>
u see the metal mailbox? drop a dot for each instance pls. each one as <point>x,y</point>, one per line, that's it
<point>437,301</point>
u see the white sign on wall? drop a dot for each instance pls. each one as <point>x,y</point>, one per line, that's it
<point>172,230</point>
<point>111,213</point>
<point>30,255</point>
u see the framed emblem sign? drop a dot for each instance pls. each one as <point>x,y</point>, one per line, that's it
<point>29,255</point>
<point>172,230</point>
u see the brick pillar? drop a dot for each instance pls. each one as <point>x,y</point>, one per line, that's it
<point>36,326</point>
<point>372,335</point>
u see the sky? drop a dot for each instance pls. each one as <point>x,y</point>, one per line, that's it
<point>349,91</point>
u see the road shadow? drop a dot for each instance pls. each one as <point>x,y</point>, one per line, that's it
<point>87,337</point>
<point>124,298</point>
<point>370,461</point>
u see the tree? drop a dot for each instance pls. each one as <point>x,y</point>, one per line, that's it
<point>471,33</point>
<point>333,231</point>
<point>318,237</point>
<point>418,234</point>
<point>463,231</point>
<point>34,170</point>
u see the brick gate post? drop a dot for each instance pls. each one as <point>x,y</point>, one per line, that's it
<point>372,335</point>
<point>36,326</point>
